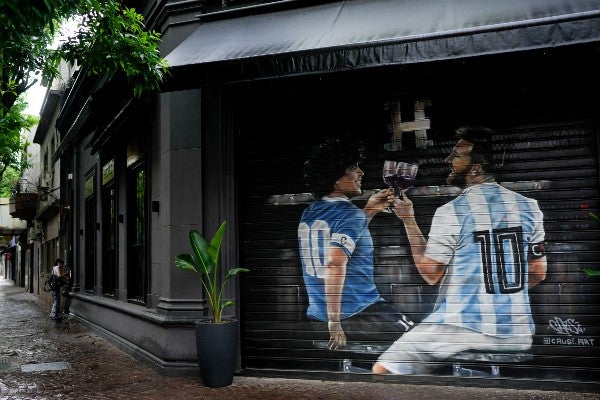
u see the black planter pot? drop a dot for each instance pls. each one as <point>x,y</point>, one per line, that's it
<point>217,346</point>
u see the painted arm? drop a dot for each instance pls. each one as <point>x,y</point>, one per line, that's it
<point>377,202</point>
<point>537,270</point>
<point>334,284</point>
<point>431,270</point>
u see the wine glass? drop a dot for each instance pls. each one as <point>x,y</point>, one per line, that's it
<point>405,176</point>
<point>400,176</point>
<point>389,174</point>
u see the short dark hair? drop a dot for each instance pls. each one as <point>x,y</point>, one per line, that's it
<point>483,152</point>
<point>328,162</point>
<point>59,260</point>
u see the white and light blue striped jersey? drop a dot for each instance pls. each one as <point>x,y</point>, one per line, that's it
<point>337,222</point>
<point>484,236</point>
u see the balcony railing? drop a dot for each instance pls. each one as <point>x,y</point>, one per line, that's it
<point>22,203</point>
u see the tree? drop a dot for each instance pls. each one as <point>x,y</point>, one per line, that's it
<point>13,146</point>
<point>110,38</point>
<point>114,39</point>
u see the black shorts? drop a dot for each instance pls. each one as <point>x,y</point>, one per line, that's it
<point>381,321</point>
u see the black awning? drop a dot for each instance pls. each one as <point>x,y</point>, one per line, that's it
<point>365,33</point>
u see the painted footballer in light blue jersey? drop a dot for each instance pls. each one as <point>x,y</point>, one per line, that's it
<point>337,222</point>
<point>485,236</point>
<point>336,249</point>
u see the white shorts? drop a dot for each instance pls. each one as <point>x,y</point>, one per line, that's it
<point>421,350</point>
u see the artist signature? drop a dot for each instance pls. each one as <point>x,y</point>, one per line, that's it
<point>565,327</point>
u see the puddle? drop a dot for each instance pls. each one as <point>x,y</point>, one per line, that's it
<point>4,363</point>
<point>52,366</point>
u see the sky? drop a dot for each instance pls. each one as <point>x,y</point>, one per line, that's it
<point>34,98</point>
<point>35,95</point>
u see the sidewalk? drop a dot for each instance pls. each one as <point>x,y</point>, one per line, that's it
<point>67,361</point>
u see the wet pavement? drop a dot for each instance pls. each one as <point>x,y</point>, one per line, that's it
<point>41,359</point>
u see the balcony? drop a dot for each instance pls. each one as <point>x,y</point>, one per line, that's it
<point>9,226</point>
<point>22,204</point>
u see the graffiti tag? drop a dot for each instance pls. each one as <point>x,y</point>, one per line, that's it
<point>565,327</point>
<point>568,327</point>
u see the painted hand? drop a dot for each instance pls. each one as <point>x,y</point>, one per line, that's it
<point>380,200</point>
<point>337,337</point>
<point>403,207</point>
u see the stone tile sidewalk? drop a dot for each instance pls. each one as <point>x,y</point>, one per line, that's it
<point>41,359</point>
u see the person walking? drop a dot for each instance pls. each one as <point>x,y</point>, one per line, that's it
<point>62,276</point>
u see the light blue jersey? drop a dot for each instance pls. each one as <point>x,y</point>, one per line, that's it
<point>337,222</point>
<point>485,236</point>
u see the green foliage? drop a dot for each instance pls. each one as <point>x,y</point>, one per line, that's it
<point>111,38</point>
<point>26,34</point>
<point>204,262</point>
<point>12,142</point>
<point>591,272</point>
<point>9,181</point>
<point>587,270</point>
<point>25,15</point>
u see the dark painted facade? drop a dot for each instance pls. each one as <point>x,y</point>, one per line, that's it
<point>228,140</point>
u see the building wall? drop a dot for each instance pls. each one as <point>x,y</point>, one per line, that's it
<point>158,329</point>
<point>235,152</point>
<point>550,149</point>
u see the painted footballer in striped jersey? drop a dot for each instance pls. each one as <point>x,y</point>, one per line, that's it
<point>485,249</point>
<point>486,237</point>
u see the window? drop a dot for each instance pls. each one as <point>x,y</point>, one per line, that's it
<point>46,164</point>
<point>90,233</point>
<point>137,225</point>
<point>49,254</point>
<point>137,271</point>
<point>109,230</point>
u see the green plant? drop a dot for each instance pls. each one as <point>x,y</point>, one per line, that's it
<point>204,262</point>
<point>590,271</point>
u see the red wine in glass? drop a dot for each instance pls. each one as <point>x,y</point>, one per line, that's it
<point>403,182</point>
<point>400,176</point>
<point>389,177</point>
<point>389,173</point>
<point>405,176</point>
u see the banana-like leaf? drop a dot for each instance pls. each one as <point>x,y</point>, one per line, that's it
<point>227,304</point>
<point>591,272</point>
<point>204,261</point>
<point>202,252</point>
<point>233,272</point>
<point>215,243</point>
<point>185,262</point>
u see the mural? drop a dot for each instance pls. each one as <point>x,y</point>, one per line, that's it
<point>381,244</point>
<point>485,248</point>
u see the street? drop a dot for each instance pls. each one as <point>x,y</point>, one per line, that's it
<point>41,359</point>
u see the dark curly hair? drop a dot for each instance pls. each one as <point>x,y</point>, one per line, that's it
<point>328,162</point>
<point>483,152</point>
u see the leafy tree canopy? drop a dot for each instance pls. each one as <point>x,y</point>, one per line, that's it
<point>12,143</point>
<point>110,38</point>
<point>9,182</point>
